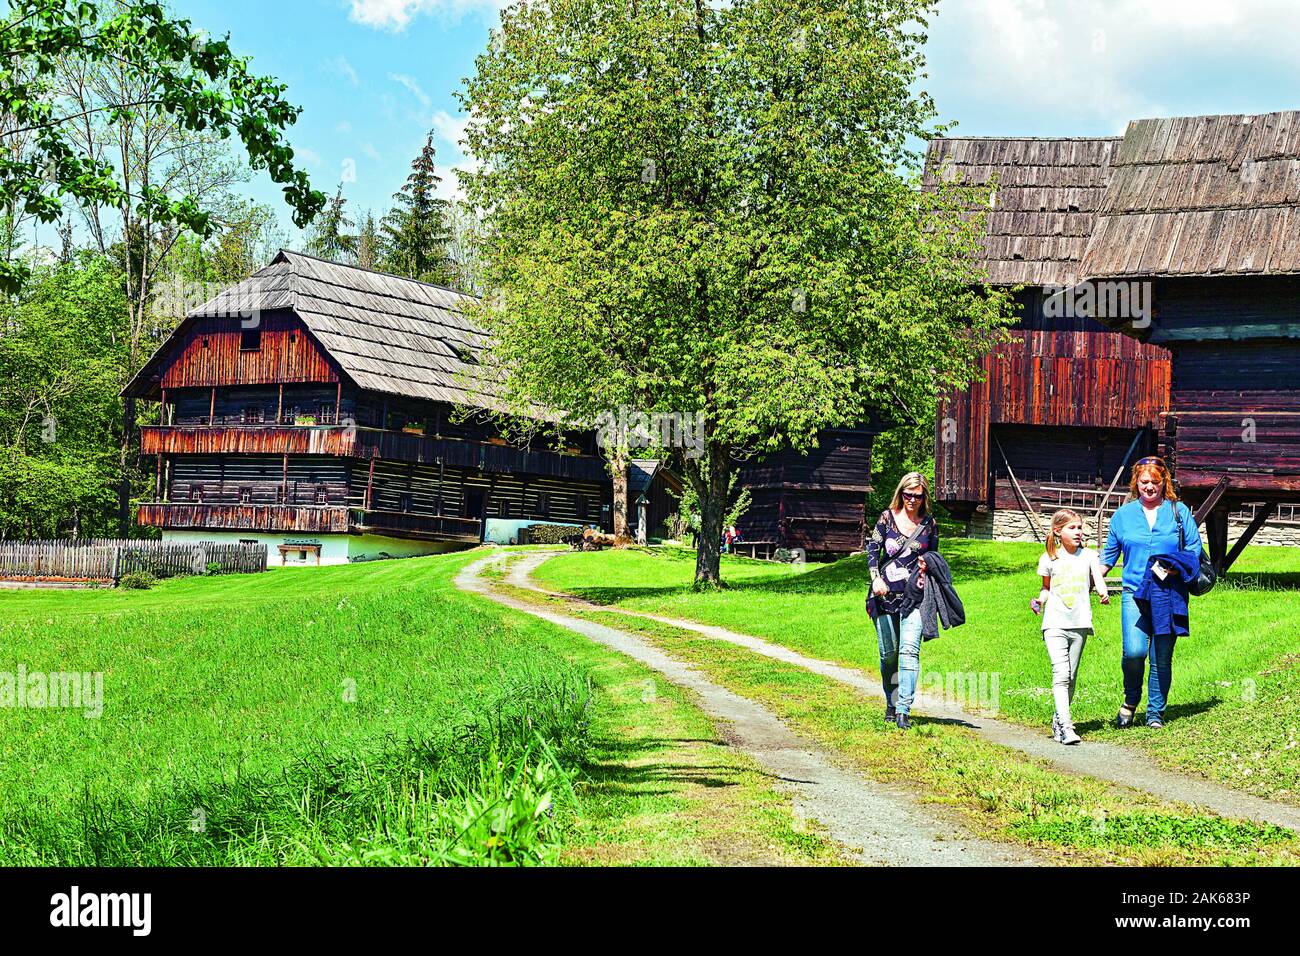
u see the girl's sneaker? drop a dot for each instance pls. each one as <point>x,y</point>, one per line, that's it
<point>1056,727</point>
<point>1068,735</point>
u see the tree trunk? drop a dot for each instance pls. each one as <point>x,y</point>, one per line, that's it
<point>712,487</point>
<point>618,470</point>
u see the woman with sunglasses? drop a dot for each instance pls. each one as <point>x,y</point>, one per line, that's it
<point>1145,531</point>
<point>895,549</point>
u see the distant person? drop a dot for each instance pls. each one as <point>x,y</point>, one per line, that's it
<point>895,551</point>
<point>1157,569</point>
<point>1070,573</point>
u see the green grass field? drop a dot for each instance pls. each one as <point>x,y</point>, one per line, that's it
<point>368,714</point>
<point>1235,704</point>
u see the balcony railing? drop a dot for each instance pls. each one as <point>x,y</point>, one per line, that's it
<point>308,518</point>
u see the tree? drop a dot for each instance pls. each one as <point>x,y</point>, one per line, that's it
<point>710,214</point>
<point>168,70</point>
<point>369,246</point>
<point>415,231</point>
<point>98,99</point>
<point>60,416</point>
<point>329,237</point>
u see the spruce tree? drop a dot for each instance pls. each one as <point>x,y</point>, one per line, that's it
<point>329,238</point>
<point>415,230</point>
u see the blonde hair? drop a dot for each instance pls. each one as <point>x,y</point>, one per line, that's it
<point>911,480</point>
<point>1060,520</point>
<point>1157,466</point>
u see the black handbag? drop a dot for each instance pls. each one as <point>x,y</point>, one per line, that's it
<point>1203,583</point>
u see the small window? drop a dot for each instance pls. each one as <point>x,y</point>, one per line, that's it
<point>404,502</point>
<point>205,343</point>
<point>245,495</point>
<point>580,506</point>
<point>503,509</point>
<point>250,340</point>
<point>543,504</point>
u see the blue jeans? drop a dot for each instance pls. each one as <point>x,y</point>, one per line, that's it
<point>1135,620</point>
<point>900,657</point>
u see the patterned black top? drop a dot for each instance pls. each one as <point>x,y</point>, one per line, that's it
<point>887,540</point>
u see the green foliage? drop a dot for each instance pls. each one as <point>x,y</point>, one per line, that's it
<point>415,233</point>
<point>329,238</point>
<point>137,581</point>
<point>715,209</point>
<point>62,353</point>
<point>905,448</point>
<point>214,567</point>
<point>198,82</point>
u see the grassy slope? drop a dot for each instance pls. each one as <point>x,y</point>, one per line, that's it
<point>1235,701</point>
<point>229,693</point>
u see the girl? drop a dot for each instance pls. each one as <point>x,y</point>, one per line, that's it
<point>1069,572</point>
<point>896,548</point>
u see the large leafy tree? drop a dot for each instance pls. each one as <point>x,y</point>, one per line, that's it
<point>713,210</point>
<point>167,69</point>
<point>415,232</point>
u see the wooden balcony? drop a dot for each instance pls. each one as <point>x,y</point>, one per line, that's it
<point>309,519</point>
<point>356,442</point>
<point>304,518</point>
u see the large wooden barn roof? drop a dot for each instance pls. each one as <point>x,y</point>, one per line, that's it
<point>1043,210</point>
<point>1202,196</point>
<point>387,333</point>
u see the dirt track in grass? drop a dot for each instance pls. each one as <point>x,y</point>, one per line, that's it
<point>884,823</point>
<point>1094,759</point>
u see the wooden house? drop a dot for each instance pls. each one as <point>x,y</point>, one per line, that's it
<point>1068,402</point>
<point>318,408</point>
<point>1207,210</point>
<point>816,501</point>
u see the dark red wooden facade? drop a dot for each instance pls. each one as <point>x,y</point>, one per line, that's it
<point>815,501</point>
<point>1061,404</point>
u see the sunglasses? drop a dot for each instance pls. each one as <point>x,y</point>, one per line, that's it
<point>1152,460</point>
<point>913,495</point>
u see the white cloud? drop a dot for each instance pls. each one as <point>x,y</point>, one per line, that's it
<point>343,68</point>
<point>1103,61</point>
<point>308,156</point>
<point>450,129</point>
<point>410,83</point>
<point>395,15</point>
<point>371,152</point>
<point>343,128</point>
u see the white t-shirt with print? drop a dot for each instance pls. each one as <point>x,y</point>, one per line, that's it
<point>1069,605</point>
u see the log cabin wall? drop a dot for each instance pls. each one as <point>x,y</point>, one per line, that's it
<point>1072,381</point>
<point>1236,382</point>
<point>816,501</point>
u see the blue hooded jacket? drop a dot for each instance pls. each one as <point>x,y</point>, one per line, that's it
<point>1168,598</point>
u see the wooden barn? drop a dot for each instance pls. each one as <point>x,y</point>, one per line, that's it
<point>315,408</point>
<point>1068,402</point>
<point>1207,210</point>
<point>653,494</point>
<point>816,502</point>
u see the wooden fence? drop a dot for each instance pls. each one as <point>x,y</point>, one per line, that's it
<point>107,559</point>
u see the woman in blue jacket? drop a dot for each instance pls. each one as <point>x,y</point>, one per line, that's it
<point>1145,533</point>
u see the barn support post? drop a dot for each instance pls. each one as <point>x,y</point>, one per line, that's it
<point>284,480</point>
<point>1257,522</point>
<point>212,406</point>
<point>279,406</point>
<point>1216,529</point>
<point>370,485</point>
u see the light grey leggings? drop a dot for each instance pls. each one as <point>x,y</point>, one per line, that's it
<point>1064,648</point>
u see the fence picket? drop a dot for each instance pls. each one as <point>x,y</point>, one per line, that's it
<point>108,559</point>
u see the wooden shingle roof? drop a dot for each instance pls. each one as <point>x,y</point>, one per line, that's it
<point>389,334</point>
<point>1043,209</point>
<point>1202,195</point>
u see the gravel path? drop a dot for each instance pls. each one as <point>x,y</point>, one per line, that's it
<point>1100,760</point>
<point>883,822</point>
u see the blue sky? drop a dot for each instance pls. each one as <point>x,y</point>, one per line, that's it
<point>374,76</point>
